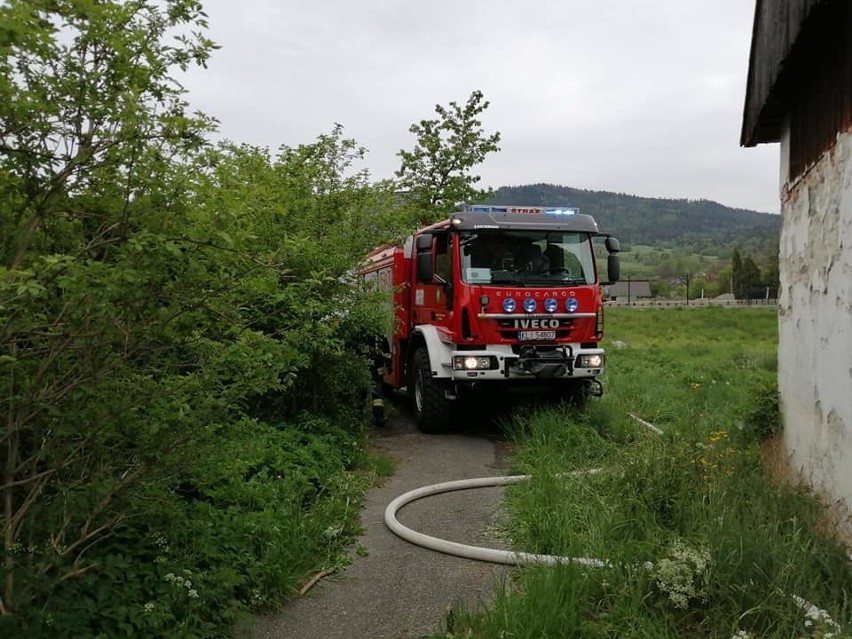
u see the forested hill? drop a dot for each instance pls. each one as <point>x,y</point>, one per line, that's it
<point>697,224</point>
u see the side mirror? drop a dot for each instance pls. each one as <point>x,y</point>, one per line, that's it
<point>612,245</point>
<point>425,270</point>
<point>424,242</point>
<point>613,267</point>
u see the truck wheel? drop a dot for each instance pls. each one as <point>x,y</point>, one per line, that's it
<point>432,410</point>
<point>574,394</point>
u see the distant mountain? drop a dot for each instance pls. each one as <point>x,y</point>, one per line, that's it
<point>700,225</point>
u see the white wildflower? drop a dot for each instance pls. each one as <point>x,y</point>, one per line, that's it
<point>161,541</point>
<point>193,593</point>
<point>148,607</point>
<point>818,615</point>
<point>683,576</point>
<point>815,616</point>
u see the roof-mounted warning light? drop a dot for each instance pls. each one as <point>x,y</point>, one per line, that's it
<point>520,210</point>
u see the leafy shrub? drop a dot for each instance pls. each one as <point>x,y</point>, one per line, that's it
<point>182,395</point>
<point>764,417</point>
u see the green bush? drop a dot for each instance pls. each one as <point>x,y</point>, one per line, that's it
<point>763,416</point>
<point>182,385</point>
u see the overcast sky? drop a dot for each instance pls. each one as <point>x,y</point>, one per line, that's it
<point>634,96</point>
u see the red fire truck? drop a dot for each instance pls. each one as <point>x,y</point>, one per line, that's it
<point>501,298</point>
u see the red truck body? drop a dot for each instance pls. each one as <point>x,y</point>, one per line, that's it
<point>500,298</point>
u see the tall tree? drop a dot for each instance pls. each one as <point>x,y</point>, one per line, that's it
<point>90,102</point>
<point>437,173</point>
<point>772,276</point>
<point>737,273</point>
<point>751,278</point>
<point>92,120</point>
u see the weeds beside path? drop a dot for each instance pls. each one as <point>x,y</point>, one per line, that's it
<point>393,589</point>
<point>703,543</point>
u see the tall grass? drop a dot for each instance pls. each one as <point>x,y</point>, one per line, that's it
<point>702,543</point>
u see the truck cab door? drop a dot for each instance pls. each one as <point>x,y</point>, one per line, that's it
<point>433,291</point>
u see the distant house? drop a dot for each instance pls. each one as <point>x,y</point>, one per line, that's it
<point>800,94</point>
<point>629,290</point>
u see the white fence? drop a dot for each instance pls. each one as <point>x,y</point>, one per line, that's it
<point>698,303</point>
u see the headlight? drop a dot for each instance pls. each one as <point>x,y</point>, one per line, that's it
<point>550,305</point>
<point>472,362</point>
<point>590,361</point>
<point>529,305</point>
<point>571,304</point>
<point>509,305</point>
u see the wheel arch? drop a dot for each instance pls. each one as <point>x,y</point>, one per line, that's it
<point>440,353</point>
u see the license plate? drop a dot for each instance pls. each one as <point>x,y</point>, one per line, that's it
<point>528,335</point>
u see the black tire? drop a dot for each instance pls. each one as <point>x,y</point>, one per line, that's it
<point>432,409</point>
<point>574,394</point>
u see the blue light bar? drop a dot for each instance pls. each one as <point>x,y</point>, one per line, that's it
<point>485,209</point>
<point>525,210</point>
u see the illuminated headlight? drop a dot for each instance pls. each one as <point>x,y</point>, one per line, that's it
<point>509,305</point>
<point>571,304</point>
<point>550,305</point>
<point>471,362</point>
<point>590,361</point>
<point>529,305</point>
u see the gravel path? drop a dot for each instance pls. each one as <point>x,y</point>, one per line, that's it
<point>401,591</point>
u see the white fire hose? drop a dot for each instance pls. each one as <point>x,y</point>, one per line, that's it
<point>479,553</point>
<point>511,557</point>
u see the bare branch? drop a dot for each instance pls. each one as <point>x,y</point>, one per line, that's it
<point>23,482</point>
<point>76,572</point>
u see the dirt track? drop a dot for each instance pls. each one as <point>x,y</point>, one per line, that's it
<point>400,591</point>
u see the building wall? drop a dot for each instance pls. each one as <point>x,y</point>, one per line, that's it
<point>815,318</point>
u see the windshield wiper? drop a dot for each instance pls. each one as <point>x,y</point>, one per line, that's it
<point>507,279</point>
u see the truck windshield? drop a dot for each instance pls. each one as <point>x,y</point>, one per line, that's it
<point>527,258</point>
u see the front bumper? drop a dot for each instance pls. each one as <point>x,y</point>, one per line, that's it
<point>528,361</point>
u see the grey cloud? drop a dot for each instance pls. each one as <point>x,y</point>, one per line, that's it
<point>635,96</point>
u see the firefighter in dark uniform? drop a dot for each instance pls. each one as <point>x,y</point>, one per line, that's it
<point>377,351</point>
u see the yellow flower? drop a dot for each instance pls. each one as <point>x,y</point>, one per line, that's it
<point>717,436</point>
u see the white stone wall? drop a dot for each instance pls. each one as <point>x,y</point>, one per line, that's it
<point>815,320</point>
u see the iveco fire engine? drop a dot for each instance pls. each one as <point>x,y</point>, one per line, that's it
<point>503,298</point>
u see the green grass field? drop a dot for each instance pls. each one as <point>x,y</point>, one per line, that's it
<point>702,543</point>
<point>647,262</point>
